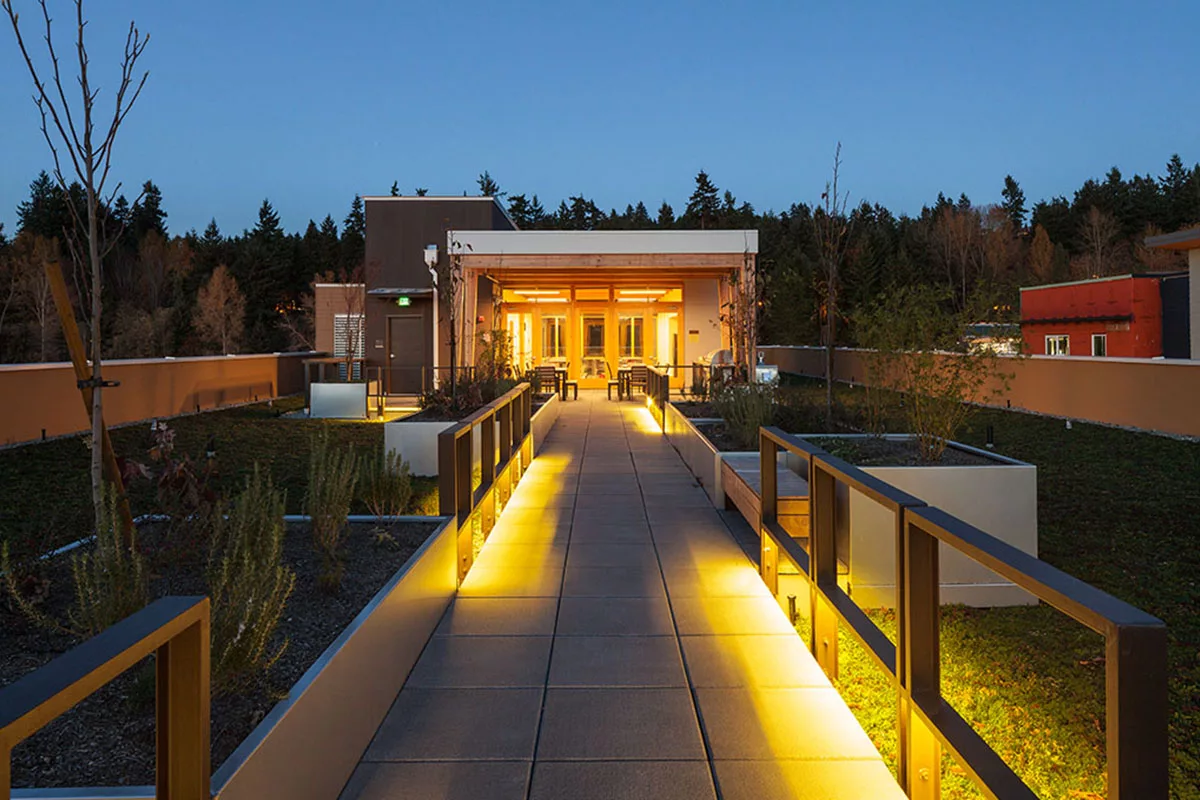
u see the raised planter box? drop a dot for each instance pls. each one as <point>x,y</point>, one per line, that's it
<point>310,742</point>
<point>338,401</point>
<point>417,442</point>
<point>543,420</point>
<point>999,497</point>
<point>701,457</point>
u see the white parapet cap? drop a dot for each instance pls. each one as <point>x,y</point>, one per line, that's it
<point>553,243</point>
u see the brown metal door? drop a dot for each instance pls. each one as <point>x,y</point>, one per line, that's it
<point>408,346</point>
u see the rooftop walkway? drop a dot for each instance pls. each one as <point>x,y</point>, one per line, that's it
<point>613,641</point>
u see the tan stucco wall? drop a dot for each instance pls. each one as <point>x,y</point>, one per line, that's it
<point>37,396</point>
<point>1151,394</point>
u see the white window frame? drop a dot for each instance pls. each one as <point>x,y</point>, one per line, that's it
<point>1058,344</point>
<point>1100,337</point>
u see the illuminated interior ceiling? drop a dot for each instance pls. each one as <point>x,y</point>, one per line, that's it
<point>645,294</point>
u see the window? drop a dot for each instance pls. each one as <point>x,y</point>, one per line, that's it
<point>554,337</point>
<point>1100,344</point>
<point>631,337</point>
<point>349,334</point>
<point>1058,345</point>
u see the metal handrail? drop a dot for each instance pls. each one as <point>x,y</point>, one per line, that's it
<point>176,631</point>
<point>504,456</point>
<point>1135,642</point>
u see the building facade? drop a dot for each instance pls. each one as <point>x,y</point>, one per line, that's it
<point>585,301</point>
<point>1119,316</point>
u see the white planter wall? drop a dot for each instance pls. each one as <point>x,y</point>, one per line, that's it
<point>701,457</point>
<point>338,401</point>
<point>417,443</point>
<point>998,498</point>
<point>543,420</point>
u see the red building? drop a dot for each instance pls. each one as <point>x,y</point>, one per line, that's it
<point>1120,316</point>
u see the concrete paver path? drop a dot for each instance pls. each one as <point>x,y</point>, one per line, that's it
<point>612,641</point>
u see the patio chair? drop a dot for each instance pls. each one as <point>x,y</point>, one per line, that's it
<point>547,378</point>
<point>638,377</point>
<point>613,381</point>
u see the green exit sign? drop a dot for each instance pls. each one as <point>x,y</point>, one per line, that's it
<point>404,302</point>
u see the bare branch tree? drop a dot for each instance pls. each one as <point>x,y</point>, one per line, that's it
<point>832,228</point>
<point>89,151</point>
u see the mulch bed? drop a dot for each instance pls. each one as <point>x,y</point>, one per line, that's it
<point>696,409</point>
<point>108,740</point>
<point>718,433</point>
<point>874,452</point>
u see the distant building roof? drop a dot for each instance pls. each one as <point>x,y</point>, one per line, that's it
<point>1180,240</point>
<point>1125,277</point>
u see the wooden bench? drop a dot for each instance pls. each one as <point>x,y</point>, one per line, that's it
<point>741,480</point>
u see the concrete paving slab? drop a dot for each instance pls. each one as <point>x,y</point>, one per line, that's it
<point>482,662</point>
<point>759,723</point>
<point>620,616</point>
<point>610,533</point>
<point>628,780</point>
<point>611,554</point>
<point>640,581</point>
<point>607,724</point>
<point>731,615</point>
<point>806,780</point>
<point>614,661</point>
<point>493,616</point>
<point>772,661</point>
<point>459,725</point>
<point>735,581</point>
<point>498,780</point>
<point>506,581</point>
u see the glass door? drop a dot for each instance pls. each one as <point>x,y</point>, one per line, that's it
<point>520,334</point>
<point>593,359</point>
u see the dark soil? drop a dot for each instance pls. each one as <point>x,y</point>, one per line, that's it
<point>108,740</point>
<point>718,433</point>
<point>438,415</point>
<point>875,452</point>
<point>696,409</point>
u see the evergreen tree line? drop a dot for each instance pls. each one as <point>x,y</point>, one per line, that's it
<point>209,292</point>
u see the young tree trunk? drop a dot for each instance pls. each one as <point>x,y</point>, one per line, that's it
<point>97,469</point>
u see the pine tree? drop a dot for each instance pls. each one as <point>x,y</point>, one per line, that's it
<point>537,214</point>
<point>666,215</point>
<point>147,214</point>
<point>1014,203</point>
<point>421,191</point>
<point>518,210</point>
<point>268,227</point>
<point>46,212</point>
<point>354,233</point>
<point>395,188</point>
<point>487,186</point>
<point>704,205</point>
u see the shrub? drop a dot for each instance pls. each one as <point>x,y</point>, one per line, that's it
<point>332,475</point>
<point>110,582</point>
<point>920,351</point>
<point>248,583</point>
<point>745,408</point>
<point>385,485</point>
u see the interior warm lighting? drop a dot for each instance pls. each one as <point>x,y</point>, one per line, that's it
<point>532,292</point>
<point>637,299</point>
<point>643,292</point>
<point>547,299</point>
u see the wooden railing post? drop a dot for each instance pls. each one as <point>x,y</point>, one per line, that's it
<point>822,566</point>
<point>768,513</point>
<point>182,716</point>
<point>1136,712</point>
<point>919,671</point>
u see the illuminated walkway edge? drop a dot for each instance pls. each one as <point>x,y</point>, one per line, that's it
<point>612,640</point>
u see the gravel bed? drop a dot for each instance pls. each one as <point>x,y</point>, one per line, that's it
<point>108,740</point>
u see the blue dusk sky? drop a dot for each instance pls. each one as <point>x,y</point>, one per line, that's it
<point>309,102</point>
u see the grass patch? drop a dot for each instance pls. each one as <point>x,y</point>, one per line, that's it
<point>45,495</point>
<point>1121,511</point>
